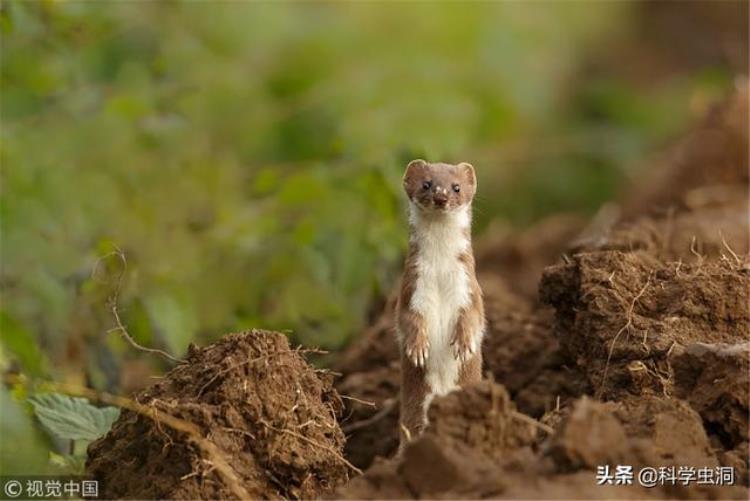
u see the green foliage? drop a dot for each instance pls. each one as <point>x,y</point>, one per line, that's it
<point>248,165</point>
<point>73,418</point>
<point>21,343</point>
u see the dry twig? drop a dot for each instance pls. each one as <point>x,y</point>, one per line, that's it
<point>727,247</point>
<point>693,251</point>
<point>114,300</point>
<point>530,420</point>
<point>359,401</point>
<point>388,406</point>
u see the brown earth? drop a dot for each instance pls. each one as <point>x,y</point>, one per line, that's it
<point>620,315</point>
<point>477,446</point>
<point>270,414</point>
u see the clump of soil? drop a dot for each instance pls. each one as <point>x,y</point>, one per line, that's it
<point>588,436</point>
<point>483,418</point>
<point>715,380</point>
<point>271,416</point>
<point>469,432</point>
<point>647,431</point>
<point>620,314</point>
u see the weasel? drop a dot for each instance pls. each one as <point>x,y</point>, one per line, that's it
<point>439,314</point>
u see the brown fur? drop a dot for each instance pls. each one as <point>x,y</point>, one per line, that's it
<point>468,318</point>
<point>414,390</point>
<point>409,322</point>
<point>439,176</point>
<point>471,370</point>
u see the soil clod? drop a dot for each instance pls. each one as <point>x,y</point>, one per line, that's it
<point>268,412</point>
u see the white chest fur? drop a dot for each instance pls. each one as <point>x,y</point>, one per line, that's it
<point>442,288</point>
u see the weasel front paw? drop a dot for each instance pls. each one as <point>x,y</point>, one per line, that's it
<point>418,349</point>
<point>463,348</point>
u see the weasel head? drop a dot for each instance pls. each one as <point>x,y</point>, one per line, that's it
<point>439,187</point>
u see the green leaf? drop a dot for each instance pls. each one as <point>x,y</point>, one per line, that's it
<point>72,418</point>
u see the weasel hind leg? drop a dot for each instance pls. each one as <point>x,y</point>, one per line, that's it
<point>471,371</point>
<point>414,392</point>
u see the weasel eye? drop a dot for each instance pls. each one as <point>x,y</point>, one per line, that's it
<point>427,185</point>
<point>456,188</point>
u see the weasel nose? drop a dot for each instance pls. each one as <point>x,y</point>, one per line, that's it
<point>440,198</point>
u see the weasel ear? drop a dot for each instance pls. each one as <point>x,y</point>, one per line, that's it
<point>413,167</point>
<point>468,171</point>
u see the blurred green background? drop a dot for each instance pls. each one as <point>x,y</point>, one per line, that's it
<point>246,157</point>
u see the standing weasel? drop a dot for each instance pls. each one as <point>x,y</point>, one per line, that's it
<point>440,314</point>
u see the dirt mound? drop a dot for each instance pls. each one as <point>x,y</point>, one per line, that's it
<point>482,418</point>
<point>654,307</point>
<point>470,432</point>
<point>269,414</point>
<point>619,315</point>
